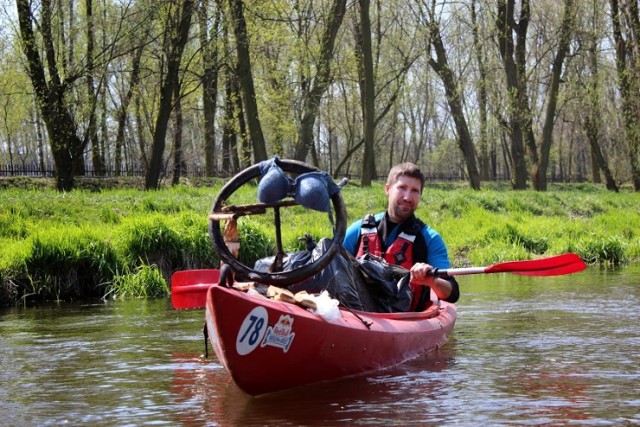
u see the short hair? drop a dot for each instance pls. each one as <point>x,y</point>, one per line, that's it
<point>406,169</point>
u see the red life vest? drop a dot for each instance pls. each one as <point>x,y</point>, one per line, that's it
<point>400,252</point>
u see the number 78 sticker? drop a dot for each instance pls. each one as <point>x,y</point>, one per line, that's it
<point>255,326</point>
<point>252,330</point>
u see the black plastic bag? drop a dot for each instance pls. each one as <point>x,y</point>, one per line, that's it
<point>337,278</point>
<point>388,285</point>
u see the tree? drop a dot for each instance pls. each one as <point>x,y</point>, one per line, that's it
<point>514,63</point>
<point>245,76</point>
<point>311,101</point>
<point>92,100</point>
<point>440,65</point>
<point>592,118</point>
<point>453,91</point>
<point>367,90</point>
<point>626,30</point>
<point>521,116</point>
<point>385,52</point>
<point>51,93</point>
<point>482,82</point>
<point>121,114</point>
<point>519,85</point>
<point>540,161</point>
<point>177,34</point>
<point>209,48</point>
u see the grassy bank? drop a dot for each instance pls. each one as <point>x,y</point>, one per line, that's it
<point>123,243</point>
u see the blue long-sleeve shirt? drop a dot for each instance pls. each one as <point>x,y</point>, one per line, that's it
<point>436,249</point>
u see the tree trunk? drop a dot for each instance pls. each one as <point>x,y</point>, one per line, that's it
<point>35,118</point>
<point>229,133</point>
<point>124,106</point>
<point>516,83</point>
<point>174,56</point>
<point>592,122</point>
<point>245,160</point>
<point>626,64</point>
<point>237,115</point>
<point>311,102</point>
<point>539,169</point>
<point>178,157</point>
<point>97,156</point>
<point>482,97</point>
<point>441,66</point>
<point>66,146</point>
<point>209,43</point>
<point>245,77</point>
<point>367,91</point>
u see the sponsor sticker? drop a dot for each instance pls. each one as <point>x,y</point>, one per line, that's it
<point>280,335</point>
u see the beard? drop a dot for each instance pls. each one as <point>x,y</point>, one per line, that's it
<point>403,211</point>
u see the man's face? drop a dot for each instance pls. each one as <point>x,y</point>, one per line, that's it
<point>404,196</point>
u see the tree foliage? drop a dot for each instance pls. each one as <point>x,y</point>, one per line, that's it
<point>480,90</point>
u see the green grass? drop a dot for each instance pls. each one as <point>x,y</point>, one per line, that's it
<point>124,243</point>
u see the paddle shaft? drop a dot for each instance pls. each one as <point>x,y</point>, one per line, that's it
<point>459,271</point>
<point>552,266</point>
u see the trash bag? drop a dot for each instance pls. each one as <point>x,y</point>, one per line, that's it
<point>337,278</point>
<point>388,285</point>
<point>289,262</point>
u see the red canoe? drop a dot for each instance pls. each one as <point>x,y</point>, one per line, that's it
<point>269,345</point>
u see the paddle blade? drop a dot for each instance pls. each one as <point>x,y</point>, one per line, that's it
<point>552,266</point>
<point>189,287</point>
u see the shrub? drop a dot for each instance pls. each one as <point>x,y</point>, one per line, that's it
<point>146,281</point>
<point>64,264</point>
<point>608,251</point>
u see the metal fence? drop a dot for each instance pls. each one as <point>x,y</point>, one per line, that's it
<point>195,171</point>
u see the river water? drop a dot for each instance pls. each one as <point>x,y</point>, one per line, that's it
<point>525,351</point>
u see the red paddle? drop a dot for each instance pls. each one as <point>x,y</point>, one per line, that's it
<point>551,266</point>
<point>189,287</point>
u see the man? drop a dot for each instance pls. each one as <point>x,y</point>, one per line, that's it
<point>401,238</point>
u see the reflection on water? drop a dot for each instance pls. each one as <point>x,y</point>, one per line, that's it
<point>361,400</point>
<point>552,351</point>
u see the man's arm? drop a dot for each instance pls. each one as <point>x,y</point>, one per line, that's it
<point>350,242</point>
<point>445,288</point>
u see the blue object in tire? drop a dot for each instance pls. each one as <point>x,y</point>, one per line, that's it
<point>274,185</point>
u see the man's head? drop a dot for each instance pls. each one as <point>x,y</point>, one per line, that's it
<point>406,169</point>
<point>403,189</point>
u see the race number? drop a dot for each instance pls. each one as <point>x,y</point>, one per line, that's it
<point>252,331</point>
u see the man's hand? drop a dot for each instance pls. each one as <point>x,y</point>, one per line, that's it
<point>421,275</point>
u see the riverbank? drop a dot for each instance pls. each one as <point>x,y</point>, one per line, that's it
<point>126,243</point>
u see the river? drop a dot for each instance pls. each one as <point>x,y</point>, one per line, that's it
<point>526,351</point>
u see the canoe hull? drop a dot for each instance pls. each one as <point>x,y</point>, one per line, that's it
<point>269,346</point>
